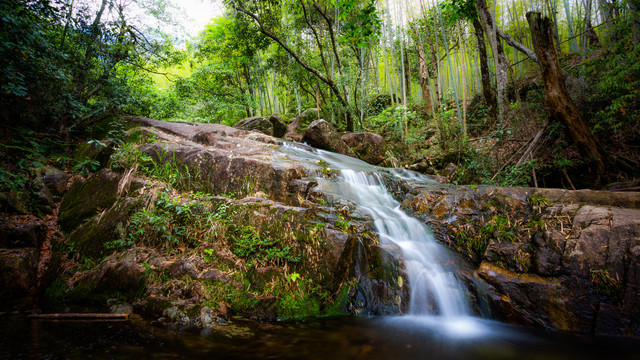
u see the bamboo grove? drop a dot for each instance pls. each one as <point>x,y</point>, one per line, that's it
<point>338,55</point>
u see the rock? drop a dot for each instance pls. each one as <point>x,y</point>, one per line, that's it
<point>256,123</point>
<point>121,309</point>
<point>95,237</point>
<point>449,171</point>
<point>601,239</point>
<point>22,231</point>
<point>335,244</point>
<point>299,124</point>
<point>183,267</point>
<point>547,256</point>
<point>279,128</point>
<point>86,198</point>
<point>18,271</point>
<point>98,151</point>
<point>120,273</point>
<point>368,147</point>
<point>55,180</point>
<point>238,171</point>
<point>14,202</point>
<point>576,253</point>
<point>322,135</point>
<point>550,301</point>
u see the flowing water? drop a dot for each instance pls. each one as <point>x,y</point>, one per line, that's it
<point>434,291</point>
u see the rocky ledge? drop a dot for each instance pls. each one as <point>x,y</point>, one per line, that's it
<point>192,224</point>
<point>556,258</point>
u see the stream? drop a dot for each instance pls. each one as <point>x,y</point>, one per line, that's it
<point>440,323</point>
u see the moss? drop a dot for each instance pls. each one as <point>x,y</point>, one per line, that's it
<point>86,198</point>
<point>605,285</point>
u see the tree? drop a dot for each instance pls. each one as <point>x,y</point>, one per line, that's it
<point>66,65</point>
<point>267,15</point>
<point>556,96</point>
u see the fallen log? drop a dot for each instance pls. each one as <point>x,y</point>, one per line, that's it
<point>80,316</point>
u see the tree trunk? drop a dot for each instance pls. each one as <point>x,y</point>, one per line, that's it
<point>500,58</point>
<point>434,61</point>
<point>407,76</point>
<point>487,91</point>
<point>556,96</point>
<point>424,77</point>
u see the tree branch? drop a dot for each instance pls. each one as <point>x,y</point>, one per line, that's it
<point>291,52</point>
<point>331,35</point>
<point>516,45</point>
<point>315,35</point>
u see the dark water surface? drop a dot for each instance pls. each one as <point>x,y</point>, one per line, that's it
<point>345,338</point>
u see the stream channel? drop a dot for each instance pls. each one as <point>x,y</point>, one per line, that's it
<point>440,323</point>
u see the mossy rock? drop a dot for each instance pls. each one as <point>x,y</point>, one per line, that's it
<point>92,237</point>
<point>86,198</point>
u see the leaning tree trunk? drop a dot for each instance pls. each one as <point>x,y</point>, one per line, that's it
<point>556,96</point>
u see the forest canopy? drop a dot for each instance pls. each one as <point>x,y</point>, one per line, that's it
<point>445,82</point>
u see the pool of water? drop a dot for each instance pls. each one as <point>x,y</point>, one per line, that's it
<point>406,337</point>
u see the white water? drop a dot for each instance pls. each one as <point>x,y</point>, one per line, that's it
<point>434,291</point>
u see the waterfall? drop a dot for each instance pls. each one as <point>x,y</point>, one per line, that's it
<point>434,291</point>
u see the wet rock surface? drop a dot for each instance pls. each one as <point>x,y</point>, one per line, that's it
<point>555,258</point>
<point>247,232</point>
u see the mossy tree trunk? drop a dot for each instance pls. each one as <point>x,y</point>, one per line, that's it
<point>556,96</point>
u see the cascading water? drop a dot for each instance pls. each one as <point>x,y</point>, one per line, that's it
<point>433,290</point>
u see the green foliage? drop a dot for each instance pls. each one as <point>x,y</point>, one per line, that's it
<point>65,66</point>
<point>391,122</point>
<point>517,175</point>
<point>453,10</point>
<point>342,223</point>
<point>615,88</point>
<point>468,238</point>
<point>361,23</point>
<point>538,201</point>
<point>451,138</point>
<point>170,222</point>
<point>299,298</point>
<point>606,285</point>
<point>11,182</point>
<point>86,166</point>
<point>166,166</point>
<point>260,250</point>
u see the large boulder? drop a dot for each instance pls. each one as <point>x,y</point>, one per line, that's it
<point>279,128</point>
<point>322,135</point>
<point>87,198</point>
<point>299,124</point>
<point>256,123</point>
<point>55,180</point>
<point>367,146</point>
